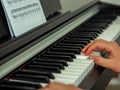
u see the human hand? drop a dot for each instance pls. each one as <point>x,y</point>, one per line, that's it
<point>60,86</point>
<point>112,62</point>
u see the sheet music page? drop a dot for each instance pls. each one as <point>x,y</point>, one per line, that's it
<point>23,15</point>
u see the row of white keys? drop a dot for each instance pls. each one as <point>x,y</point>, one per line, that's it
<point>75,72</point>
<point>78,67</point>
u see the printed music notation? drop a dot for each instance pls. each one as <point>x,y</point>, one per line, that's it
<point>14,1</point>
<point>23,15</point>
<point>16,14</point>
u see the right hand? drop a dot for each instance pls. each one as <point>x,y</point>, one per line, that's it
<point>112,62</point>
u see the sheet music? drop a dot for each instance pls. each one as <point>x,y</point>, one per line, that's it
<point>23,15</point>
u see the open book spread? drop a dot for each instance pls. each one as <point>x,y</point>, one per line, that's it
<point>23,15</point>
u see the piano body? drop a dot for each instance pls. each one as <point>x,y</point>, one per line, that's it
<point>52,52</point>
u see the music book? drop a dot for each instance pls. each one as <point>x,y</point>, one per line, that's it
<point>23,15</point>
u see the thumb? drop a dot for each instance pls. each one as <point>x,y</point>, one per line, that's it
<point>100,61</point>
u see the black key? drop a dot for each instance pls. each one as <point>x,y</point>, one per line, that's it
<point>31,78</point>
<point>25,85</point>
<point>75,51</point>
<point>73,42</point>
<point>63,62</point>
<point>72,55</point>
<point>69,47</point>
<point>48,64</point>
<point>44,68</point>
<point>100,21</point>
<point>96,25</point>
<point>86,33</point>
<point>35,73</point>
<point>78,39</point>
<point>76,45</point>
<point>105,17</point>
<point>15,87</point>
<point>67,58</point>
<point>86,37</point>
<point>86,29</point>
<point>90,30</point>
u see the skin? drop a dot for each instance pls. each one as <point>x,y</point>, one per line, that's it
<point>112,62</point>
<point>60,86</point>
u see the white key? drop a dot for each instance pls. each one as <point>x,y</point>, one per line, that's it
<point>81,57</point>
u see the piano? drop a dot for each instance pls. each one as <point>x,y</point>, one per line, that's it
<point>52,52</point>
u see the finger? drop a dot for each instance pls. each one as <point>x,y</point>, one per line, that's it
<point>73,87</point>
<point>90,48</point>
<point>98,46</point>
<point>45,89</point>
<point>86,47</point>
<point>61,86</point>
<point>101,61</point>
<point>57,86</point>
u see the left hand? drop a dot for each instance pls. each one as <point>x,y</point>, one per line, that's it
<point>60,86</point>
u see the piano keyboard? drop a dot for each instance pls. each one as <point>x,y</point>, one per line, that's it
<point>62,61</point>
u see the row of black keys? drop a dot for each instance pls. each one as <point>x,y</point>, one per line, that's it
<point>40,68</point>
